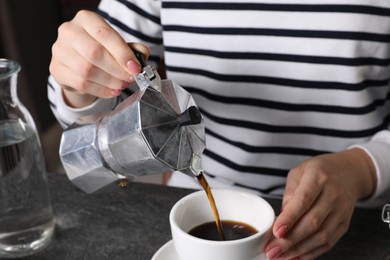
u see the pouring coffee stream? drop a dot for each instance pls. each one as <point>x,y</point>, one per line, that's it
<point>202,180</point>
<point>157,129</point>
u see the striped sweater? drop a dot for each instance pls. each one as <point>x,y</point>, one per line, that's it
<point>277,82</point>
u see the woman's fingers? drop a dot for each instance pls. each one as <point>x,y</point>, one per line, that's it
<point>109,40</point>
<point>141,48</point>
<point>69,80</point>
<point>303,189</point>
<point>90,57</point>
<point>321,227</point>
<point>84,70</point>
<point>317,208</point>
<point>320,242</point>
<point>73,36</point>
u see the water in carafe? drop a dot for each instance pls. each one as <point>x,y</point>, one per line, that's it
<point>26,218</point>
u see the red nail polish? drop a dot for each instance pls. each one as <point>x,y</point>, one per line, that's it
<point>282,231</point>
<point>274,252</point>
<point>115,92</point>
<point>133,67</point>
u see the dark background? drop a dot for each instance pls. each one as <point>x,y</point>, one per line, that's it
<point>28,29</point>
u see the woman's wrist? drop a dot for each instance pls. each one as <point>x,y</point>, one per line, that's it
<point>365,172</point>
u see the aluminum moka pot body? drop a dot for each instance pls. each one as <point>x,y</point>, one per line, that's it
<point>157,129</point>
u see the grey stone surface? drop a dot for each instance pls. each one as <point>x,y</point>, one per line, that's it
<point>132,223</point>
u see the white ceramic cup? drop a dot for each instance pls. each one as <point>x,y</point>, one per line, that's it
<point>194,210</point>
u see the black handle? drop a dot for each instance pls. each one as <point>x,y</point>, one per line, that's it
<point>141,58</point>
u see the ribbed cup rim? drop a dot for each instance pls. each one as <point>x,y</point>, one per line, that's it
<point>8,67</point>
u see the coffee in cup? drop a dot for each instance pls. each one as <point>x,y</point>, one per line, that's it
<point>232,230</point>
<point>235,207</point>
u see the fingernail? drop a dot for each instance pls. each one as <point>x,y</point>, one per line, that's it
<point>280,257</point>
<point>131,80</point>
<point>282,231</point>
<point>115,92</point>
<point>133,66</point>
<point>274,252</point>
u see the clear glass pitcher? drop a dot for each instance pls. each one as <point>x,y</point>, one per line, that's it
<point>386,213</point>
<point>26,218</point>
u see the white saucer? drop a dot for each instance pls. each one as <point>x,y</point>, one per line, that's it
<point>166,252</point>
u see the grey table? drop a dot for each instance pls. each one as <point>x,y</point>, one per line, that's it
<point>132,224</point>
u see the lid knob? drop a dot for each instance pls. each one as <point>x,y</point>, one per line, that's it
<point>191,116</point>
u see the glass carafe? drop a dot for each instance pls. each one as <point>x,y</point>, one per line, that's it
<point>386,213</point>
<point>26,218</point>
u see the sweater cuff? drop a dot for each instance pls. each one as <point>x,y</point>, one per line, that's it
<point>70,114</point>
<point>379,153</point>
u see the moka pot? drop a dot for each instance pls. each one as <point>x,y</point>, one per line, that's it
<point>157,129</point>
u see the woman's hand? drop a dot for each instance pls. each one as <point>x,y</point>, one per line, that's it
<point>90,59</point>
<point>318,203</point>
